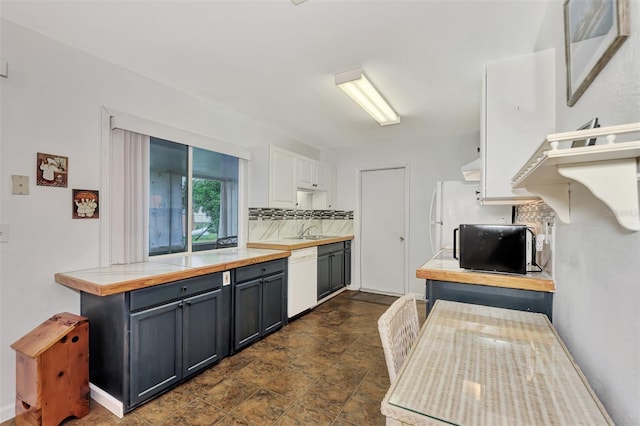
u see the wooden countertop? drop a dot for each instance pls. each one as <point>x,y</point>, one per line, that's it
<point>120,278</point>
<point>443,267</point>
<point>296,243</point>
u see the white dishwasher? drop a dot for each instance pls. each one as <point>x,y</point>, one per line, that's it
<point>303,278</point>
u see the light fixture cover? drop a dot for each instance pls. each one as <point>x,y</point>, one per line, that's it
<point>355,84</point>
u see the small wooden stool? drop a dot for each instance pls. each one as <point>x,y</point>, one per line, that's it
<point>52,371</point>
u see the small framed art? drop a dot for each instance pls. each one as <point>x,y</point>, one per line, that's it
<point>52,170</point>
<point>86,204</point>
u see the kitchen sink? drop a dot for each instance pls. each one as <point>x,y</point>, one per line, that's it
<point>312,237</point>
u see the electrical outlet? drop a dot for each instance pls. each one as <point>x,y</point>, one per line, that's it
<point>540,242</point>
<point>20,185</point>
<point>226,278</point>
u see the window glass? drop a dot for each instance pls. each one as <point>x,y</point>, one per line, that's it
<point>215,200</point>
<point>213,220</point>
<point>167,197</point>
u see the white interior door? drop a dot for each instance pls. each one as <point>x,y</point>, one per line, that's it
<point>382,228</point>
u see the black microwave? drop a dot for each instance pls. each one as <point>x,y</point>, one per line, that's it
<point>495,248</point>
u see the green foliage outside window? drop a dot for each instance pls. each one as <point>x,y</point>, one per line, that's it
<point>206,197</point>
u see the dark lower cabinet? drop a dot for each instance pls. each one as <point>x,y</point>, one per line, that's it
<point>260,301</point>
<point>247,313</point>
<point>144,342</point>
<point>202,343</point>
<point>273,303</point>
<point>347,262</point>
<point>156,350</point>
<point>324,276</point>
<point>331,268</point>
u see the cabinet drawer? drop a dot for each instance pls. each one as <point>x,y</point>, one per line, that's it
<point>164,293</point>
<point>330,248</point>
<point>251,272</point>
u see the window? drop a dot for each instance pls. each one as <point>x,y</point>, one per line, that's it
<point>193,198</point>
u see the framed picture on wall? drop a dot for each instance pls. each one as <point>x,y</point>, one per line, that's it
<point>52,170</point>
<point>593,31</point>
<point>86,204</point>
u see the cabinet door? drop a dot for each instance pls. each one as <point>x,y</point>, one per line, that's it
<point>155,350</point>
<point>347,267</point>
<point>324,276</point>
<point>518,113</point>
<point>322,176</point>
<point>337,271</point>
<point>248,313</point>
<point>282,179</point>
<point>305,173</point>
<point>202,322</point>
<point>273,312</point>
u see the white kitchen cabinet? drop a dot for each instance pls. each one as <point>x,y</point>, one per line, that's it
<point>282,181</point>
<point>311,174</point>
<point>518,111</point>
<point>276,174</point>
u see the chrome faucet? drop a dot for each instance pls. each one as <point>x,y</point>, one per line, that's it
<point>304,230</point>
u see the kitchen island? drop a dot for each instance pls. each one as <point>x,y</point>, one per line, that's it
<point>155,324</point>
<point>446,280</point>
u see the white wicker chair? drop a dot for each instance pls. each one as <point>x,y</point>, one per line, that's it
<point>398,328</point>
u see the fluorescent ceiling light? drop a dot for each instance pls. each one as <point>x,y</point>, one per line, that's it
<point>355,84</point>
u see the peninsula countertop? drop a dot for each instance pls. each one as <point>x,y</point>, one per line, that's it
<point>443,267</point>
<point>298,243</point>
<point>121,278</point>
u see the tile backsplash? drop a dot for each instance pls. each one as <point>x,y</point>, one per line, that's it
<point>272,223</point>
<point>542,218</point>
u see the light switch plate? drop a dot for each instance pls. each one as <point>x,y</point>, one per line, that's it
<point>20,185</point>
<point>226,278</point>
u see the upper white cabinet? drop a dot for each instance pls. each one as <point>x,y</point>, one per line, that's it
<point>276,174</point>
<point>518,111</point>
<point>282,184</point>
<point>312,174</point>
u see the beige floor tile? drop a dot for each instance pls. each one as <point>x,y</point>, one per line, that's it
<point>361,410</point>
<point>291,382</point>
<point>229,393</point>
<point>196,413</point>
<point>160,408</point>
<point>263,407</point>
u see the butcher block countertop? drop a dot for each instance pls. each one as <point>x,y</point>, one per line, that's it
<point>297,243</point>
<point>121,278</point>
<point>443,267</point>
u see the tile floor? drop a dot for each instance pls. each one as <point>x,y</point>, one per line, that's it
<point>325,368</point>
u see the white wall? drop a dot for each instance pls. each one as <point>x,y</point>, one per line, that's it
<point>597,303</point>
<point>438,157</point>
<point>51,103</point>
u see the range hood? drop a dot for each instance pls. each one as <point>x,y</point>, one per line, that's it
<point>471,171</point>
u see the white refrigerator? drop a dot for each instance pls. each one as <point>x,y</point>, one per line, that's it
<point>454,203</point>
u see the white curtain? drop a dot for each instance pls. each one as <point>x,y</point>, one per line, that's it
<point>228,225</point>
<point>129,194</point>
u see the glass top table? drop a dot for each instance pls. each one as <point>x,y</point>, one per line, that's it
<point>477,365</point>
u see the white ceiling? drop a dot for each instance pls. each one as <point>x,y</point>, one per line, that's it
<point>275,62</point>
